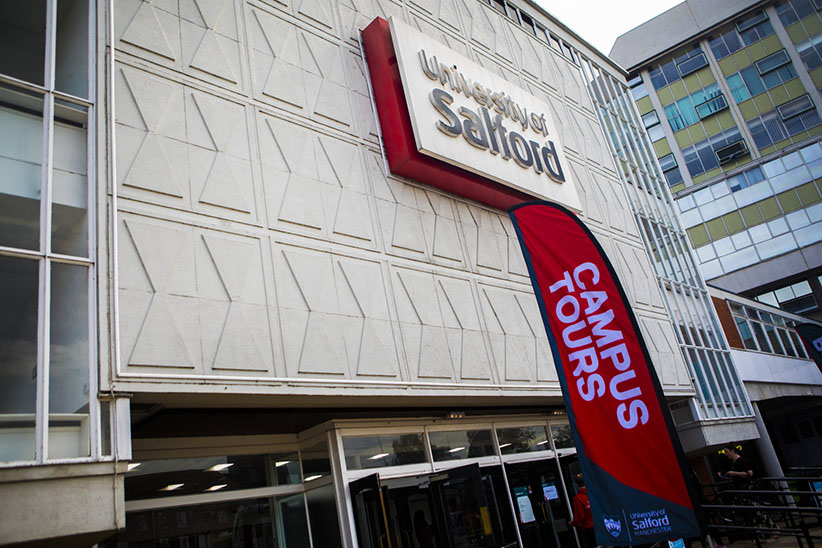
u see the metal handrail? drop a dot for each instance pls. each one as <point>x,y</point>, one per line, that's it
<point>764,516</point>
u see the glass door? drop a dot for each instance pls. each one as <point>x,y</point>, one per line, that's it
<point>540,504</point>
<point>369,499</point>
<point>461,509</point>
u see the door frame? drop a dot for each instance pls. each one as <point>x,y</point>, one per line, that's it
<point>343,477</point>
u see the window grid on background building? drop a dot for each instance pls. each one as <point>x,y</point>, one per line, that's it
<point>719,390</point>
<point>52,104</point>
<point>763,201</point>
<point>767,331</point>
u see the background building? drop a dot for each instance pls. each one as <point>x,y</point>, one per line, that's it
<point>222,316</point>
<point>729,94</point>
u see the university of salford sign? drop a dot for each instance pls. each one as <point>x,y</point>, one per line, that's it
<point>450,123</point>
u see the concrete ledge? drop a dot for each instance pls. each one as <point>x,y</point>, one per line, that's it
<point>701,438</point>
<point>63,505</point>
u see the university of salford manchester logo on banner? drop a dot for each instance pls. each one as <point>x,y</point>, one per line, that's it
<point>613,525</point>
<point>625,439</point>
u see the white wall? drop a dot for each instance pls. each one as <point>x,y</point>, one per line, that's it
<point>261,241</point>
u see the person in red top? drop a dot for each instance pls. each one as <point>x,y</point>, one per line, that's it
<point>583,518</point>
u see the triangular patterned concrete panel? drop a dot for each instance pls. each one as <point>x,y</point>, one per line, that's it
<point>151,169</point>
<point>158,248</point>
<point>285,82</point>
<point>213,111</point>
<point>377,354</point>
<point>211,58</point>
<point>422,295</point>
<point>323,349</point>
<point>145,31</point>
<point>295,147</point>
<point>435,359</point>
<point>364,280</point>
<point>222,188</point>
<point>474,363</point>
<point>320,11</point>
<point>237,348</point>
<point>315,279</point>
<point>519,358</point>
<point>160,342</point>
<point>407,232</point>
<point>152,97</point>
<point>232,260</point>
<point>353,216</point>
<point>488,240</point>
<point>211,11</point>
<point>302,202</point>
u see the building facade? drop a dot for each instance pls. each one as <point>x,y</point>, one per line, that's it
<point>225,319</point>
<point>730,97</point>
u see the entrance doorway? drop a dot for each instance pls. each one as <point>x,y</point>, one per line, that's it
<point>496,484</point>
<point>463,507</point>
<point>539,499</point>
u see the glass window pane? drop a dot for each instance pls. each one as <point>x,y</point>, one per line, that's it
<point>69,362</point>
<point>285,468</point>
<point>23,40</point>
<point>315,459</point>
<point>186,476</point>
<point>752,80</point>
<point>798,344</point>
<point>561,433</point>
<point>322,511</point>
<point>655,133</point>
<point>786,342</point>
<point>71,64</point>
<point>454,445</point>
<point>21,143</point>
<point>70,181</point>
<point>363,452</point>
<point>650,119</point>
<point>105,428</point>
<point>776,344</point>
<point>18,357</point>
<point>745,334</point>
<point>761,339</point>
<point>670,72</point>
<point>275,521</point>
<point>524,439</point>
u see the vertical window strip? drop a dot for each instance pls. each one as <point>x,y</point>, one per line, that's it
<point>48,256</point>
<point>624,149</point>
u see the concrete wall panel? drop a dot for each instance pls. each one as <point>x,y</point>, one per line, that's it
<point>261,239</point>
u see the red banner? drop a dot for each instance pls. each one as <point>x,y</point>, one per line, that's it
<point>629,452</point>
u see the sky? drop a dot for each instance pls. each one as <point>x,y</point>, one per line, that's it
<point>599,22</point>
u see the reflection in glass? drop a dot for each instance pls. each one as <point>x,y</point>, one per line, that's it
<point>322,515</point>
<point>71,67</point>
<point>186,476</point>
<point>105,428</point>
<point>69,362</point>
<point>69,214</point>
<point>523,439</point>
<point>284,468</point>
<point>315,460</point>
<point>363,452</point>
<point>18,357</point>
<point>561,433</point>
<point>21,117</point>
<point>278,522</point>
<point>23,40</point>
<point>465,444</point>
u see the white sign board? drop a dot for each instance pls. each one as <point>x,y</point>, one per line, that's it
<point>468,116</point>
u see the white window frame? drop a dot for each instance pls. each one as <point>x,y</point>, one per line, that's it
<point>45,257</point>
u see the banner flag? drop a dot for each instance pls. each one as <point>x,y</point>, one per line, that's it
<point>629,452</point>
<point>811,334</point>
